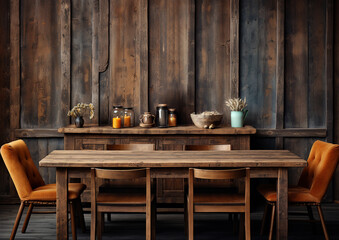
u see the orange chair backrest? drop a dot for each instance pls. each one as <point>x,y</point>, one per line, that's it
<point>321,165</point>
<point>21,167</point>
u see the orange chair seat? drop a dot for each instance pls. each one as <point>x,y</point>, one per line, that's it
<point>48,192</point>
<point>295,194</point>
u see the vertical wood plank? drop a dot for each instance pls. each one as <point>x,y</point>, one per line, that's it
<point>171,68</point>
<point>336,91</point>
<point>296,64</point>
<point>234,50</point>
<point>65,50</point>
<point>128,54</point>
<point>329,68</point>
<point>61,204</point>
<point>5,88</point>
<point>213,36</point>
<point>280,67</point>
<point>282,204</point>
<point>15,65</point>
<point>316,64</point>
<point>82,50</point>
<point>95,60</point>
<point>103,35</point>
<point>259,61</point>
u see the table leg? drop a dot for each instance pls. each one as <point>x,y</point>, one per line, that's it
<point>61,204</point>
<point>282,204</point>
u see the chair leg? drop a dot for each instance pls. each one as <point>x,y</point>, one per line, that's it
<point>248,225</point>
<point>17,220</point>
<point>101,218</point>
<point>154,220</point>
<point>272,222</point>
<point>264,218</point>
<point>73,220</point>
<point>81,217</point>
<point>241,226</point>
<point>190,220</point>
<point>322,221</point>
<point>28,216</point>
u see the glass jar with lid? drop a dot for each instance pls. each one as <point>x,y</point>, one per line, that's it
<point>117,116</point>
<point>128,117</point>
<point>161,118</point>
<point>172,117</point>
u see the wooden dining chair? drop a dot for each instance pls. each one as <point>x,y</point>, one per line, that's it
<point>122,199</point>
<point>216,199</point>
<point>31,188</point>
<point>312,184</point>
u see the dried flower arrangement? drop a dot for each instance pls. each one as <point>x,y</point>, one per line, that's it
<point>236,104</point>
<point>81,109</point>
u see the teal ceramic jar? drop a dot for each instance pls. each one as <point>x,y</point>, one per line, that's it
<point>237,119</point>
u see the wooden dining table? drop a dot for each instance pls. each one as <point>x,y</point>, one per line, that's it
<point>172,164</point>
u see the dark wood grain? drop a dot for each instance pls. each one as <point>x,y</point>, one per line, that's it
<point>15,67</point>
<point>40,59</point>
<point>329,68</point>
<point>95,59</point>
<point>65,52</point>
<point>258,44</point>
<point>282,204</point>
<point>81,52</point>
<point>317,63</point>
<point>296,64</point>
<point>5,84</point>
<point>171,49</point>
<point>127,50</point>
<point>61,203</point>
<point>336,90</point>
<point>280,70</point>
<point>213,79</point>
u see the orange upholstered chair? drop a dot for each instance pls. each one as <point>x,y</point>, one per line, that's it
<point>32,189</point>
<point>312,184</point>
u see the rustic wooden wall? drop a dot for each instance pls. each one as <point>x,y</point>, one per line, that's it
<point>4,88</point>
<point>190,54</point>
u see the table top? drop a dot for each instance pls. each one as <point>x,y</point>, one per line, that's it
<point>92,129</point>
<point>171,159</point>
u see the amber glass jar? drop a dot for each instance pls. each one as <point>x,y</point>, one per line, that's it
<point>172,117</point>
<point>128,117</point>
<point>117,117</point>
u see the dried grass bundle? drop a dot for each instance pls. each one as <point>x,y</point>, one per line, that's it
<point>236,104</point>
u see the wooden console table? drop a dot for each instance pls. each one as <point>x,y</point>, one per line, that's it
<point>174,138</point>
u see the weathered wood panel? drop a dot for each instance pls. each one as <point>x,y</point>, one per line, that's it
<point>81,84</point>
<point>213,82</point>
<point>336,89</point>
<point>305,64</point>
<point>258,61</point>
<point>171,56</point>
<point>39,148</point>
<point>128,54</point>
<point>40,61</point>
<point>4,87</point>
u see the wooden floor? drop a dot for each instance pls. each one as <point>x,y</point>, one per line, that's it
<point>170,226</point>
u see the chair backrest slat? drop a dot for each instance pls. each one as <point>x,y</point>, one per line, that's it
<point>138,147</point>
<point>219,174</point>
<point>221,147</point>
<point>119,174</point>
